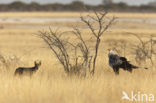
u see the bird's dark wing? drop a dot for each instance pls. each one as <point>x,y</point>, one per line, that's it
<point>123,59</point>
<point>114,60</point>
<point>126,64</point>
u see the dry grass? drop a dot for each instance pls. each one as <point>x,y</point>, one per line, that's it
<point>50,84</point>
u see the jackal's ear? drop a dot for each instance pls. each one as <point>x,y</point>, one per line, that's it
<point>35,62</point>
<point>40,62</point>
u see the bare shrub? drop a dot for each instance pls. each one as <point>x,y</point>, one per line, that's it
<point>3,60</point>
<point>145,49</point>
<point>76,56</point>
<point>8,61</point>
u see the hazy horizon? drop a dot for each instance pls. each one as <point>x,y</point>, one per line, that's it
<point>94,2</point>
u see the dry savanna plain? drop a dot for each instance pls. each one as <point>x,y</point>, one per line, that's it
<point>20,46</point>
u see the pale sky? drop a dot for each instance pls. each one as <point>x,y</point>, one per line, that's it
<point>130,2</point>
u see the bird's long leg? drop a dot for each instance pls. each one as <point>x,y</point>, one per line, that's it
<point>116,70</point>
<point>130,70</point>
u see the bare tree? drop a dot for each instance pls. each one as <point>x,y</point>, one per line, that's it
<point>98,31</point>
<point>77,56</point>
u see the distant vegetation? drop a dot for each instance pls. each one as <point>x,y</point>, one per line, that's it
<point>75,6</point>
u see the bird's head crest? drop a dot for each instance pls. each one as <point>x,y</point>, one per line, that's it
<point>112,51</point>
